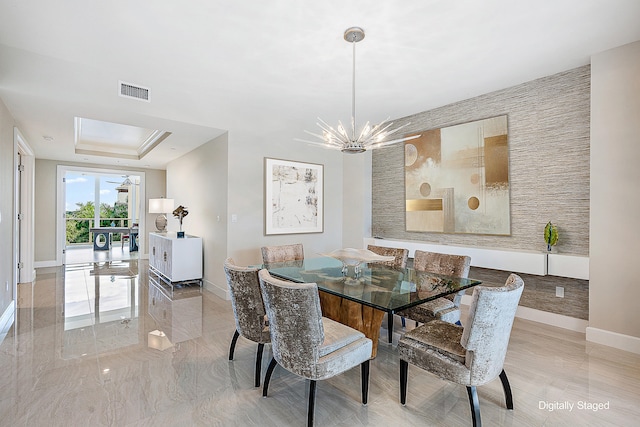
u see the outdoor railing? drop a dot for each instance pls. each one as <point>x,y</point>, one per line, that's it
<point>78,233</point>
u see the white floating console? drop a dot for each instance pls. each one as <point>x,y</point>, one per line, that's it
<point>528,262</point>
<point>176,259</point>
<point>573,266</point>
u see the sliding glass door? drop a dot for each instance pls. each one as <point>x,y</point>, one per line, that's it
<point>92,198</point>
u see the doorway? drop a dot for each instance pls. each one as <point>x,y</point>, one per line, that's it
<point>90,198</point>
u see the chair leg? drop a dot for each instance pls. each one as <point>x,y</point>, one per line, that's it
<point>267,376</point>
<point>404,370</point>
<point>364,378</point>
<point>312,402</point>
<point>507,389</point>
<point>390,327</point>
<point>475,406</point>
<point>236,334</point>
<point>259,364</point>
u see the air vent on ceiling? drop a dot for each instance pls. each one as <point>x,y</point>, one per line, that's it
<point>129,90</point>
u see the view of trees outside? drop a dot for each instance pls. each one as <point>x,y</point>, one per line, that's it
<point>81,200</point>
<point>78,227</point>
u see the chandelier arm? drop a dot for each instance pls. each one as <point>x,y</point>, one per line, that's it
<point>375,131</point>
<point>327,141</point>
<point>321,144</point>
<point>314,134</point>
<point>385,143</point>
<point>391,132</point>
<point>325,126</point>
<point>366,131</point>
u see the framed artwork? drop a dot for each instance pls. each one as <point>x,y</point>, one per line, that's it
<point>457,179</point>
<point>293,197</point>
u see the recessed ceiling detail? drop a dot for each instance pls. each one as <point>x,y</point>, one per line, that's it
<point>128,90</point>
<point>98,138</point>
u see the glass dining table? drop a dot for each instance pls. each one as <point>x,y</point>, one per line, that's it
<point>360,299</point>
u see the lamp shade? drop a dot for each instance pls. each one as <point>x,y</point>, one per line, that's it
<point>160,205</point>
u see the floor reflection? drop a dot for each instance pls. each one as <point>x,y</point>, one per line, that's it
<point>80,254</point>
<point>101,307</point>
<point>177,312</point>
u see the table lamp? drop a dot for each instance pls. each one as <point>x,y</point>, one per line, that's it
<point>161,206</point>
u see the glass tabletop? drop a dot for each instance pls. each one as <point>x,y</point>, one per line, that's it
<point>375,285</point>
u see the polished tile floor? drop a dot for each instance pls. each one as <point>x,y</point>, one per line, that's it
<point>99,344</point>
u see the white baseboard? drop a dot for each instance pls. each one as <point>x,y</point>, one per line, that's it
<point>614,339</point>
<point>6,320</point>
<point>218,291</point>
<point>552,319</point>
<point>41,264</point>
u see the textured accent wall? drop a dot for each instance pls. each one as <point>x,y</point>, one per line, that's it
<point>548,122</point>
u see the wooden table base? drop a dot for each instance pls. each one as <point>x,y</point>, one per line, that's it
<point>365,319</point>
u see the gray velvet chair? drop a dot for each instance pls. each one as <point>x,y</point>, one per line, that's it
<point>248,310</point>
<point>473,355</point>
<point>282,253</point>
<point>307,344</point>
<point>401,255</point>
<point>445,308</point>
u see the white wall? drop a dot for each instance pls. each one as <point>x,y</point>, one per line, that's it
<point>247,150</point>
<point>7,183</point>
<point>356,199</point>
<point>614,290</point>
<point>198,181</point>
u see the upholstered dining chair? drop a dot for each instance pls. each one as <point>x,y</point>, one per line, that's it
<point>307,344</point>
<point>282,253</point>
<point>445,308</point>
<point>400,262</point>
<point>471,355</point>
<point>248,310</point>
<point>400,255</point>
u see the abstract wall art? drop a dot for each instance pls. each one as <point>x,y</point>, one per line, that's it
<point>293,197</point>
<point>457,179</point>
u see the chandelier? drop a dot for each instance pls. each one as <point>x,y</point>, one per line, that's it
<point>370,137</point>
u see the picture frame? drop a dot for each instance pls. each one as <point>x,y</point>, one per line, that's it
<point>457,179</point>
<point>293,197</point>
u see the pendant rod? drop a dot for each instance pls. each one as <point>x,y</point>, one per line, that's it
<point>353,92</point>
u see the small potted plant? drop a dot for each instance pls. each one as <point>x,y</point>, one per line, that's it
<point>550,235</point>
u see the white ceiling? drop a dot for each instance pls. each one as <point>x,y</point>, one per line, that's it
<point>215,66</point>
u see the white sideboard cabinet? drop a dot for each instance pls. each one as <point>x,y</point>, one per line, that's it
<point>176,259</point>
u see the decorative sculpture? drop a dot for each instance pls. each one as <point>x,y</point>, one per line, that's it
<point>354,257</point>
<point>180,212</point>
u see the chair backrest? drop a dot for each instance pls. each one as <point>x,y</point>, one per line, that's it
<point>400,255</point>
<point>448,265</point>
<point>282,253</point>
<point>295,322</point>
<point>488,328</point>
<point>246,300</point>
